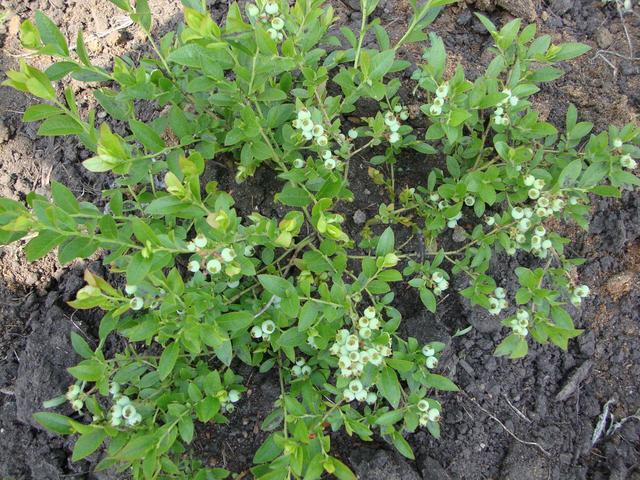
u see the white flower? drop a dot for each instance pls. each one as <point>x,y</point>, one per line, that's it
<point>490,221</point>
<point>228,254</point>
<point>371,398</point>
<point>277,23</point>
<point>214,266</point>
<point>423,405</point>
<point>256,332</point>
<point>581,291</point>
<point>322,140</point>
<point>627,162</point>
<point>365,333</point>
<point>298,163</point>
<point>194,266</point>
<point>304,115</point>
<point>130,289</point>
<point>617,143</point>
<point>433,415</point>
<point>443,90</point>
<point>136,303</point>
<point>77,405</point>
<point>435,110</point>
<point>428,351</point>
<point>499,292</point>
<point>469,200</point>
<point>353,133</point>
<point>317,130</point>
<point>394,127</point>
<point>273,33</point>
<point>200,241</point>
<point>271,8</point>
<point>546,244</point>
<point>524,225</point>
<point>249,251</point>
<point>394,137</point>
<point>348,395</point>
<point>370,312</point>
<point>528,180</point>
<point>330,164</point>
<point>268,327</point>
<point>252,10</point>
<point>431,362</point>
<point>361,396</point>
<point>439,102</point>
<point>517,213</point>
<point>352,343</point>
<point>513,100</point>
<point>539,183</point>
<point>355,386</point>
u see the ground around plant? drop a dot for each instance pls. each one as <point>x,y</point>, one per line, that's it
<point>512,420</point>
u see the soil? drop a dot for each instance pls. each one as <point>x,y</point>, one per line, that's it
<point>529,419</point>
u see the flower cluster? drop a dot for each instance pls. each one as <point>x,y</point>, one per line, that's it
<point>73,396</point>
<point>310,130</point>
<point>499,116</point>
<point>498,301</point>
<point>441,283</point>
<point>520,324</point>
<point>123,412</point>
<point>228,400</point>
<point>268,15</point>
<point>263,331</point>
<point>441,96</point>
<point>627,162</point>
<point>139,299</point>
<point>431,361</point>
<point>356,351</point>
<point>301,368</point>
<point>392,121</point>
<point>427,412</point>
<point>216,262</point>
<point>580,292</point>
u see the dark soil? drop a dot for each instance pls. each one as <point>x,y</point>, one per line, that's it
<point>530,419</point>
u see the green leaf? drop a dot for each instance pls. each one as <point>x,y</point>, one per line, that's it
<point>137,448</point>
<point>235,321</point>
<point>275,285</point>
<point>40,111</point>
<point>88,371</point>
<point>87,444</point>
<point>428,299</point>
<point>268,451</point>
<point>441,383</point>
<point>39,246</point>
<point>54,422</point>
<point>293,196</point>
<point>382,63</point>
<point>386,243</point>
<point>59,125</point>
<point>389,418</point>
<point>80,346</point>
<point>168,360</point>
<point>402,445</point>
<point>389,386</point>
<point>185,427</point>
<point>51,34</point>
<point>147,136</point>
<point>570,50</point>
<point>64,198</point>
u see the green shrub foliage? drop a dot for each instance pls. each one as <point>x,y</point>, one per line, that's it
<point>207,288</point>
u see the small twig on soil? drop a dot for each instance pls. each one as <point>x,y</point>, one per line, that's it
<point>520,414</point>
<point>626,32</point>
<point>613,67</point>
<point>493,417</point>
